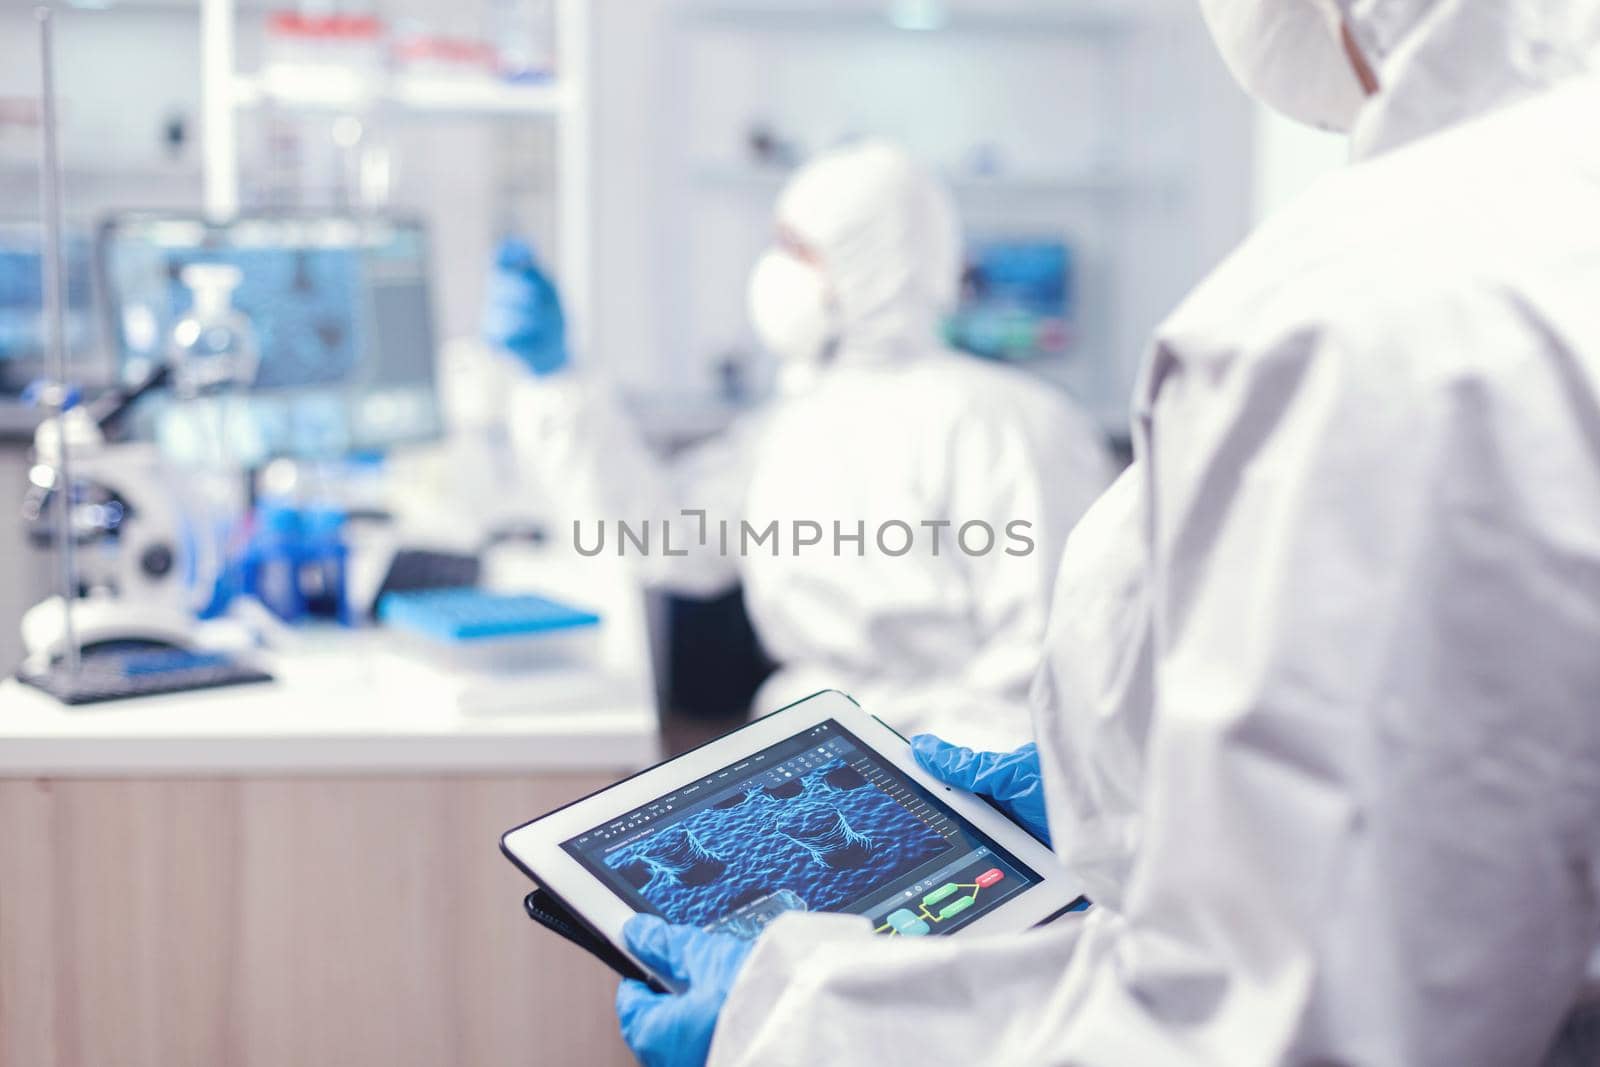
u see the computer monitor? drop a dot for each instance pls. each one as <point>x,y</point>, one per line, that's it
<point>22,343</point>
<point>340,307</point>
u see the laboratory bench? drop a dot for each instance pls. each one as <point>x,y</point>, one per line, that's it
<point>307,871</point>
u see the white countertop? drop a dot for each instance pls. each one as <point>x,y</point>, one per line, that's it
<point>362,702</point>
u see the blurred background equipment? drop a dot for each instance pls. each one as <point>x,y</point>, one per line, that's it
<point>1016,300</point>
<point>1111,212</point>
<point>213,345</point>
<point>104,658</point>
<point>22,347</point>
<point>638,141</point>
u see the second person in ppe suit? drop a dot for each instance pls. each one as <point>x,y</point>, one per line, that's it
<point>876,423</point>
<point>1317,727</point>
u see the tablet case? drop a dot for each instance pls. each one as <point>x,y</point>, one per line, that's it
<point>549,913</point>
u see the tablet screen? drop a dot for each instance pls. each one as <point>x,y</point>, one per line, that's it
<point>814,823</point>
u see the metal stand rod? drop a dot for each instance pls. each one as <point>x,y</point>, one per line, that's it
<point>55,324</point>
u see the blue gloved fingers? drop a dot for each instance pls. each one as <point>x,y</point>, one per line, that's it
<point>684,953</point>
<point>515,254</point>
<point>1012,779</point>
<point>511,284</point>
<point>522,314</point>
<point>1005,775</point>
<point>675,1030</point>
<point>930,751</point>
<point>951,764</point>
<point>635,1001</point>
<point>712,957</point>
<point>648,1022</point>
<point>991,774</point>
<point>659,945</point>
<point>502,326</point>
<point>514,295</point>
<point>1015,780</point>
<point>506,288</point>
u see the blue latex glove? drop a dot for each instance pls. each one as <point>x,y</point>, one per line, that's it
<point>674,1029</point>
<point>522,310</point>
<point>1011,779</point>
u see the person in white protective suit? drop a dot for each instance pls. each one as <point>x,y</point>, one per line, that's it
<point>1320,721</point>
<point>878,423</point>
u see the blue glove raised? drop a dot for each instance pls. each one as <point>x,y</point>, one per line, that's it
<point>1011,779</point>
<point>522,310</point>
<point>674,1029</point>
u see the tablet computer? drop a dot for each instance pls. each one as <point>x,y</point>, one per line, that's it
<point>816,807</point>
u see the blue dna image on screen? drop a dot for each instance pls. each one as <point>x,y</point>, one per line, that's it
<point>823,839</point>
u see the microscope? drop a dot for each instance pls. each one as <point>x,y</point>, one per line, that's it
<point>122,623</point>
<point>132,560</point>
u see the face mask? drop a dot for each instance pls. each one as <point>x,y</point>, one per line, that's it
<point>1287,54</point>
<point>790,308</point>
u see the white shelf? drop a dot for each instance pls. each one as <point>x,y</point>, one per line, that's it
<point>423,96</point>
<point>23,170</point>
<point>488,99</point>
<point>227,90</point>
<point>1070,19</point>
<point>1086,183</point>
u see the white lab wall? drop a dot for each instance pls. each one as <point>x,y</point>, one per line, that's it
<point>1289,157</point>
<point>631,202</point>
<point>118,82</point>
<point>1185,121</point>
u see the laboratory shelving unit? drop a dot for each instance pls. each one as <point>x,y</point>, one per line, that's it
<point>1086,182</point>
<point>1095,195</point>
<point>227,92</point>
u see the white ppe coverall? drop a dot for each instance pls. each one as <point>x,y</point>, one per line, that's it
<point>891,428</point>
<point>1320,720</point>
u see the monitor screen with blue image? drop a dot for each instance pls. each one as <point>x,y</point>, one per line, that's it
<point>340,312</point>
<point>1016,299</point>
<point>22,327</point>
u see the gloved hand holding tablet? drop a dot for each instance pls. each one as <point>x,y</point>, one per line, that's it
<point>817,807</point>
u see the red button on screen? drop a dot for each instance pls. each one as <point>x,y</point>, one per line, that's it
<point>990,877</point>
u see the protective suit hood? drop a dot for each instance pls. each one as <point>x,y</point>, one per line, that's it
<point>1440,62</point>
<point>1437,62</point>
<point>886,239</point>
<point>1286,53</point>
